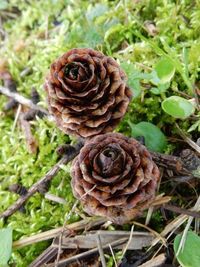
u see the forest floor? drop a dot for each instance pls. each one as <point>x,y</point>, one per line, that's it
<point>157,43</point>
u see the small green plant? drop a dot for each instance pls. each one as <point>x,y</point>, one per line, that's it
<point>178,107</point>
<point>189,256</point>
<point>155,140</point>
<point>165,70</point>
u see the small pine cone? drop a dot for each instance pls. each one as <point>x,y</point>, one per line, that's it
<point>87,92</point>
<point>114,177</point>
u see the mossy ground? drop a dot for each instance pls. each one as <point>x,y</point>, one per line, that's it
<point>36,33</point>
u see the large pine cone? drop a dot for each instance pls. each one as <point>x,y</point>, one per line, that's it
<point>87,92</point>
<point>114,177</point>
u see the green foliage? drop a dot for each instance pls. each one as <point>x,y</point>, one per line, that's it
<point>195,126</point>
<point>189,256</point>
<point>160,76</point>
<point>134,77</point>
<point>165,70</point>
<point>178,107</point>
<point>5,245</point>
<point>155,140</point>
<point>160,89</point>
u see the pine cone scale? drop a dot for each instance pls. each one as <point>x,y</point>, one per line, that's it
<point>84,82</point>
<point>123,173</point>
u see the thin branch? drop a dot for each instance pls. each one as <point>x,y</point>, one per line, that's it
<point>48,177</point>
<point>158,236</point>
<point>194,214</point>
<point>23,100</point>
<point>157,261</point>
<point>99,245</point>
<point>16,117</point>
<point>171,162</point>
<point>65,222</point>
<point>111,250</point>
<point>129,241</point>
<point>88,253</point>
<point>50,234</point>
<point>31,142</point>
<point>188,140</point>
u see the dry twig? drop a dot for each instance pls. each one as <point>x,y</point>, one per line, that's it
<point>170,162</point>
<point>176,223</point>
<point>31,142</point>
<point>23,100</point>
<point>16,117</point>
<point>159,236</point>
<point>50,234</point>
<point>99,245</point>
<point>188,140</point>
<point>194,214</point>
<point>113,255</point>
<point>130,238</point>
<point>87,253</point>
<point>157,261</point>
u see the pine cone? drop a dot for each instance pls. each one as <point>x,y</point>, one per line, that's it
<point>114,177</point>
<point>87,92</point>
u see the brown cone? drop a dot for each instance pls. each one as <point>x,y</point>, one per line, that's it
<point>114,177</point>
<point>87,92</point>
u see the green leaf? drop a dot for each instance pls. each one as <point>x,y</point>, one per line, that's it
<point>154,78</point>
<point>162,88</point>
<point>5,245</point>
<point>190,255</point>
<point>195,126</point>
<point>155,140</point>
<point>134,77</point>
<point>165,70</point>
<point>178,107</point>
